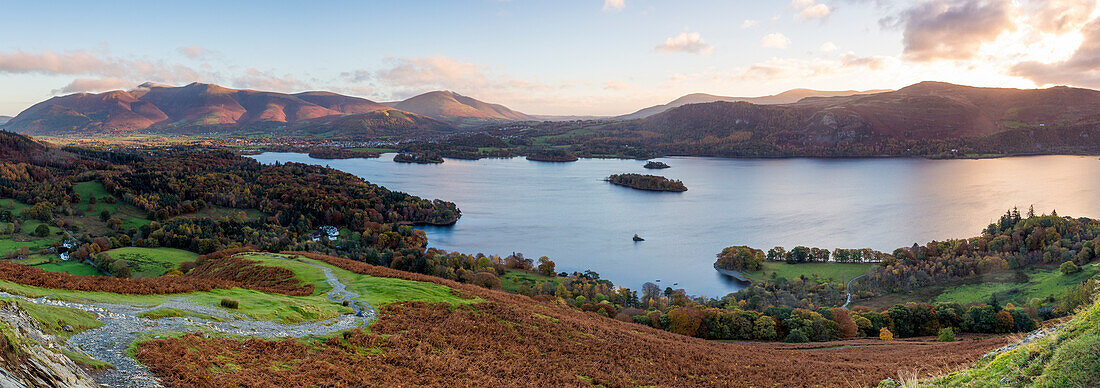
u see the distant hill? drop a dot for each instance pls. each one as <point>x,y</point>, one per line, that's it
<point>924,111</point>
<point>168,108</point>
<point>18,148</point>
<point>787,97</point>
<point>454,107</point>
<point>4,119</point>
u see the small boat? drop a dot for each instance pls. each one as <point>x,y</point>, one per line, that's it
<point>636,238</point>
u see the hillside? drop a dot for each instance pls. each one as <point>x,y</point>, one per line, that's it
<point>1053,357</point>
<point>787,97</point>
<point>4,119</point>
<point>930,119</point>
<point>489,342</point>
<point>451,106</point>
<point>172,109</point>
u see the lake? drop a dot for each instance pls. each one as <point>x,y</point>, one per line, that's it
<point>567,212</point>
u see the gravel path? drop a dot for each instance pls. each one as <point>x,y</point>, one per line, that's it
<point>122,326</point>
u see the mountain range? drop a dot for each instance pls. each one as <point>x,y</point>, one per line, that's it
<point>167,108</point>
<point>787,97</point>
<point>697,124</point>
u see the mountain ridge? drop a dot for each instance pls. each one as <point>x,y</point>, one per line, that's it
<point>447,105</point>
<point>787,97</point>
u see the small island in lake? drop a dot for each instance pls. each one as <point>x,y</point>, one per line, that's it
<point>647,182</point>
<point>552,156</point>
<point>638,238</point>
<point>418,158</point>
<point>340,153</point>
<point>656,165</point>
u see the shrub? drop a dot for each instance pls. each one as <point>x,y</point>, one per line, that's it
<point>230,303</point>
<point>1068,268</point>
<point>796,336</point>
<point>487,280</point>
<point>946,335</point>
<point>885,335</point>
<point>42,230</point>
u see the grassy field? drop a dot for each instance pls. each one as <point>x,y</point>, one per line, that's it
<point>274,307</point>
<point>216,212</point>
<point>512,279</point>
<point>304,272</point>
<point>72,266</point>
<point>151,262</point>
<point>24,236</point>
<point>837,272</point>
<point>1043,282</point>
<point>130,216</point>
<point>379,291</point>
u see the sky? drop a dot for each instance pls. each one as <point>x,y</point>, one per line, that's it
<point>558,57</point>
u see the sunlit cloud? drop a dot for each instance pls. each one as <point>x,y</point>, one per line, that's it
<point>686,42</point>
<point>749,24</point>
<point>775,40</point>
<point>810,9</point>
<point>613,5</point>
<point>828,47</point>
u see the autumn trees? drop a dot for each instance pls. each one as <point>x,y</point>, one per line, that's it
<point>740,258</point>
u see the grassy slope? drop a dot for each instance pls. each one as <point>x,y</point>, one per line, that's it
<point>1043,282</point>
<point>52,318</point>
<point>130,216</point>
<point>152,262</point>
<point>275,307</point>
<point>512,279</point>
<point>838,272</point>
<point>1070,358</point>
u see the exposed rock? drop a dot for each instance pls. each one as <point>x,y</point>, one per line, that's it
<point>31,357</point>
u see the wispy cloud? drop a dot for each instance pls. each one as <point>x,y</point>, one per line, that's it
<point>613,5</point>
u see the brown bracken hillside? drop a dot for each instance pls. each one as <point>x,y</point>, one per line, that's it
<point>513,340</point>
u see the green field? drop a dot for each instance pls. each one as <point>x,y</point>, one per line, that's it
<point>377,291</point>
<point>24,236</point>
<point>512,279</point>
<point>167,312</point>
<point>1043,282</point>
<point>151,262</point>
<point>130,216</point>
<point>305,273</point>
<point>71,266</point>
<point>837,272</point>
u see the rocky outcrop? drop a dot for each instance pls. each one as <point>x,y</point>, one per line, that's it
<point>31,358</point>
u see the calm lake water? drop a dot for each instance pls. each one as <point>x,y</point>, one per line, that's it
<point>567,212</point>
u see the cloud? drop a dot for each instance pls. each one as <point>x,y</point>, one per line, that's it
<point>357,76</point>
<point>749,23</point>
<point>194,52</point>
<point>81,85</point>
<point>1081,69</point>
<point>616,85</point>
<point>686,42</point>
<point>953,29</point>
<point>775,40</point>
<point>810,9</point>
<point>828,47</point>
<point>613,5</point>
<point>88,63</point>
<point>1060,16</point>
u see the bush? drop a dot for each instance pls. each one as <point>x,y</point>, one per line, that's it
<point>42,230</point>
<point>946,335</point>
<point>1068,268</point>
<point>230,303</point>
<point>796,336</point>
<point>885,335</point>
